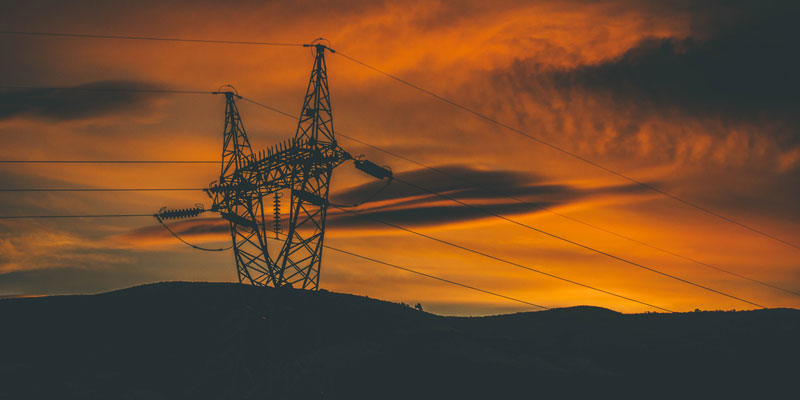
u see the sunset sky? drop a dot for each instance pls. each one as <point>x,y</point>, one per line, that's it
<point>699,99</point>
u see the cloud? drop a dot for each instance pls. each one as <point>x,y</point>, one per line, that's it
<point>52,249</point>
<point>744,72</point>
<point>198,230</point>
<point>738,63</point>
<point>583,80</point>
<point>498,192</point>
<point>87,100</point>
<point>724,94</point>
<point>469,183</point>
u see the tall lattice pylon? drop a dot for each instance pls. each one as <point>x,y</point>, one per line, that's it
<point>302,167</point>
<point>301,255</point>
<point>239,201</point>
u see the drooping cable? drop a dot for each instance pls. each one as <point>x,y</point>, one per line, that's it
<point>574,243</point>
<point>345,136</point>
<point>487,255</point>
<point>438,97</point>
<point>73,216</point>
<point>438,278</point>
<point>571,154</point>
<point>100,190</point>
<point>107,162</point>
<point>433,277</point>
<point>151,38</point>
<point>160,221</point>
<point>100,89</point>
<point>451,175</point>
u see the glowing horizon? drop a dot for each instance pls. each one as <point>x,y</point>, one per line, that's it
<point>647,90</point>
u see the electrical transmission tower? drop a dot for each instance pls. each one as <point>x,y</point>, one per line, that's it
<point>299,170</point>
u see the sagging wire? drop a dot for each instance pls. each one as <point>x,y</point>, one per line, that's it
<point>164,213</point>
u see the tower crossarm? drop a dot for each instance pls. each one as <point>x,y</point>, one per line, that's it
<point>282,166</point>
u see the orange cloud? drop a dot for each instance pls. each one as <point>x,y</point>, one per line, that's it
<point>567,72</point>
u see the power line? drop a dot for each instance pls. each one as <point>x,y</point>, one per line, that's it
<point>367,258</point>
<point>674,254</point>
<point>433,277</point>
<point>349,138</point>
<point>359,141</point>
<point>98,89</point>
<point>574,243</point>
<point>497,258</point>
<point>436,96</point>
<point>103,190</point>
<point>569,153</point>
<point>326,246</point>
<point>151,38</point>
<point>350,253</point>
<point>407,159</point>
<point>270,108</point>
<point>108,162</point>
<point>119,90</point>
<point>161,221</point>
<point>445,173</point>
<point>74,216</point>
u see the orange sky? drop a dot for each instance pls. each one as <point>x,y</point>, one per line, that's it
<point>668,95</point>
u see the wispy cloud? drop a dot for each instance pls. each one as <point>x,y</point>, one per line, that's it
<point>87,100</point>
<point>487,191</point>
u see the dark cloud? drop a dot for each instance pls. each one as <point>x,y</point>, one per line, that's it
<point>746,67</point>
<point>430,215</point>
<point>200,226</point>
<point>722,94</point>
<point>498,192</point>
<point>468,183</point>
<point>88,100</point>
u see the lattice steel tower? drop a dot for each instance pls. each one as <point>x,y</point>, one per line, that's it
<point>300,170</point>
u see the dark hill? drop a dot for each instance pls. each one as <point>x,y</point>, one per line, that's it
<point>228,341</point>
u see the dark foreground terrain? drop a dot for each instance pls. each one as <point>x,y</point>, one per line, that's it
<point>227,341</point>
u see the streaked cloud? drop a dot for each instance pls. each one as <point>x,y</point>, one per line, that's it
<point>86,100</point>
<point>696,98</point>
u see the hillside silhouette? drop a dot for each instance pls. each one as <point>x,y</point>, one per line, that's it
<point>182,340</point>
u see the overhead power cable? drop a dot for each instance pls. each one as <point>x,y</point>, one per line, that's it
<point>433,277</point>
<point>438,97</point>
<point>365,144</point>
<point>451,175</point>
<point>487,255</point>
<point>569,153</point>
<point>194,246</point>
<point>151,38</point>
<point>343,135</point>
<point>108,162</point>
<point>326,246</point>
<point>100,89</point>
<point>74,216</point>
<point>574,243</point>
<point>352,254</point>
<point>103,190</point>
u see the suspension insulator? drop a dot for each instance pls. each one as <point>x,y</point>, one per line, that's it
<point>309,197</point>
<point>165,213</point>
<point>277,222</point>
<point>373,169</point>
